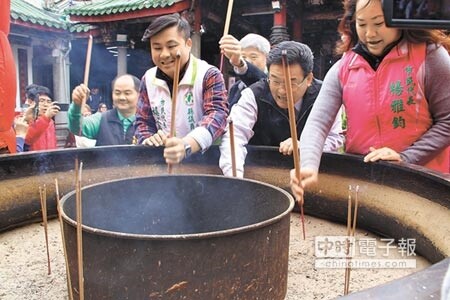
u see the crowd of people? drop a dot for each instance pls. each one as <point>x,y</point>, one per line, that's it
<point>390,85</point>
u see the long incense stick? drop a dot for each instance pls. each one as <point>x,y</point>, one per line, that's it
<point>176,79</point>
<point>293,128</point>
<point>355,212</point>
<point>79,228</point>
<point>351,228</point>
<point>43,197</point>
<point>58,209</point>
<point>228,17</point>
<point>232,148</point>
<point>88,61</point>
<point>227,27</point>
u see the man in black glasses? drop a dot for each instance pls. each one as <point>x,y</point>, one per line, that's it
<point>261,117</point>
<point>41,134</point>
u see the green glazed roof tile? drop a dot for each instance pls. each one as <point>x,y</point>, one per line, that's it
<point>77,28</point>
<point>116,6</point>
<point>26,12</point>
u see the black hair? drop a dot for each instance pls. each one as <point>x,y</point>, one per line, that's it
<point>167,21</point>
<point>297,53</point>
<point>136,81</point>
<point>35,92</point>
<point>101,104</point>
<point>42,90</point>
<point>31,91</point>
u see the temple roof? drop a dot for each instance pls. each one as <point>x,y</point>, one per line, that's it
<point>28,13</point>
<point>108,7</point>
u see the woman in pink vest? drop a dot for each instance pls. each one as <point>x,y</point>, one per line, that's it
<point>395,87</point>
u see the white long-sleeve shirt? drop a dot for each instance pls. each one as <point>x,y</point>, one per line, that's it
<point>244,116</point>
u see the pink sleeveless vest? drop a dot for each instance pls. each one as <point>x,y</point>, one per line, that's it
<point>387,107</point>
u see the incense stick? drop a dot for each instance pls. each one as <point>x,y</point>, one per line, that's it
<point>293,128</point>
<point>228,17</point>
<point>88,61</point>
<point>232,148</point>
<point>349,222</point>
<point>58,209</point>
<point>176,79</point>
<point>43,197</point>
<point>226,28</point>
<point>79,228</point>
<point>351,228</point>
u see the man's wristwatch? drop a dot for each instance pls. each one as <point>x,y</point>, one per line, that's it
<point>187,150</point>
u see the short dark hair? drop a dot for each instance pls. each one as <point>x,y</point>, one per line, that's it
<point>42,90</point>
<point>167,21</point>
<point>136,81</point>
<point>31,91</point>
<point>297,53</point>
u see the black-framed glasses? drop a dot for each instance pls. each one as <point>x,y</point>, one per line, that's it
<point>295,85</point>
<point>45,100</point>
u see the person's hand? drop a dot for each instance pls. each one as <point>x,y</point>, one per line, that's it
<point>156,140</point>
<point>174,152</point>
<point>20,126</point>
<point>384,153</point>
<point>80,94</point>
<point>308,178</point>
<point>286,147</point>
<point>52,110</point>
<point>29,112</point>
<point>231,48</point>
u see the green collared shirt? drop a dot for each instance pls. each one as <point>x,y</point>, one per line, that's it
<point>91,124</point>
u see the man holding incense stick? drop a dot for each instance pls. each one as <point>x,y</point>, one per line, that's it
<point>260,116</point>
<point>112,127</point>
<point>248,57</point>
<point>201,100</point>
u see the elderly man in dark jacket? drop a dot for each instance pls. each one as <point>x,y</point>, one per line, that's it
<point>260,116</point>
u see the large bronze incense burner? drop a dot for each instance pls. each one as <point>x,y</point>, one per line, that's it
<point>181,237</point>
<point>397,201</point>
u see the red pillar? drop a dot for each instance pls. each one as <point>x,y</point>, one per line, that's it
<point>279,29</point>
<point>198,17</point>
<point>297,30</point>
<point>279,17</point>
<point>7,82</point>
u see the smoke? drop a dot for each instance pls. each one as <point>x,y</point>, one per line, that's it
<point>177,205</point>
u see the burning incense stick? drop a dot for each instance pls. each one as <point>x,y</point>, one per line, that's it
<point>226,28</point>
<point>228,17</point>
<point>233,153</point>
<point>293,127</point>
<point>349,222</point>
<point>79,227</point>
<point>43,197</point>
<point>355,213</point>
<point>88,61</point>
<point>58,209</point>
<point>176,79</point>
<point>351,228</point>
<point>86,74</point>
